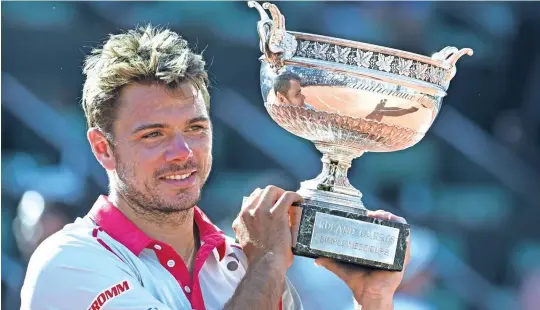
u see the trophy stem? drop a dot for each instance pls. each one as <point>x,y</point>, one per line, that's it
<point>332,184</point>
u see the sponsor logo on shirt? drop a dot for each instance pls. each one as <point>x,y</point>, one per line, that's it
<point>109,293</point>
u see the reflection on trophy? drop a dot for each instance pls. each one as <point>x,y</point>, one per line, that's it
<point>348,98</point>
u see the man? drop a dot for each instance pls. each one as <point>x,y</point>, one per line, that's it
<point>288,89</point>
<point>147,245</point>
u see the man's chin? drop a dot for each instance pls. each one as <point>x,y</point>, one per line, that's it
<point>173,210</point>
<point>176,204</point>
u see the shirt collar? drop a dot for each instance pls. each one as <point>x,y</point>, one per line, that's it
<point>119,227</point>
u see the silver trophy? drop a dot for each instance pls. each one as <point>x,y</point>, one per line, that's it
<point>348,98</point>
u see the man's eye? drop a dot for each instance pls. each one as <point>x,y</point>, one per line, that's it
<point>153,134</point>
<point>196,128</point>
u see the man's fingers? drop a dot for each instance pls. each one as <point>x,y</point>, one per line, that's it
<point>269,197</point>
<point>384,215</point>
<point>248,203</point>
<point>255,194</point>
<point>285,202</point>
<point>253,199</point>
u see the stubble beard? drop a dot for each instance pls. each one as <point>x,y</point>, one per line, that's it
<point>147,203</point>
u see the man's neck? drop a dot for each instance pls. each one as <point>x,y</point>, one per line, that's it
<point>180,231</point>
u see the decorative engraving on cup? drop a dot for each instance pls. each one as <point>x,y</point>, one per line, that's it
<point>353,238</point>
<point>439,75</point>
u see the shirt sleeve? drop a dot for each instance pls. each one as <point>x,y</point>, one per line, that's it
<point>291,300</point>
<point>79,275</point>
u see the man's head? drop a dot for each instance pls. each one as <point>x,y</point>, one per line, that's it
<point>146,102</point>
<point>288,89</point>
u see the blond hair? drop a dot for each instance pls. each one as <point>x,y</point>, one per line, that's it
<point>142,55</point>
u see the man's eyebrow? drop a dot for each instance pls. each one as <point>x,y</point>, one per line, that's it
<point>161,126</point>
<point>148,126</point>
<point>198,119</point>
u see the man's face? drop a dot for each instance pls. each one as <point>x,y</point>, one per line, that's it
<point>163,147</point>
<point>294,95</point>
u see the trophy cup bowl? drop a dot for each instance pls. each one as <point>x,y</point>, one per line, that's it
<point>351,98</point>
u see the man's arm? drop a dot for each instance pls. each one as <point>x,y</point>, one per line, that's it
<point>263,231</point>
<point>261,287</point>
<point>372,289</point>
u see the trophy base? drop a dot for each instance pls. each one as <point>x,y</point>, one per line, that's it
<point>348,235</point>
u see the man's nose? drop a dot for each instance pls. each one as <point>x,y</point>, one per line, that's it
<point>178,150</point>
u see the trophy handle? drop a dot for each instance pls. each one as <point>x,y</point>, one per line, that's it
<point>449,57</point>
<point>275,43</point>
<point>264,26</point>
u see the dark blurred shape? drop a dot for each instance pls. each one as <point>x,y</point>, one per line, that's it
<point>36,220</point>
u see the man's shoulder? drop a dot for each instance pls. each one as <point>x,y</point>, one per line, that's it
<point>75,269</point>
<point>73,235</point>
<point>74,246</point>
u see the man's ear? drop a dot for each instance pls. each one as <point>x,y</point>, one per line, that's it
<point>101,148</point>
<point>281,98</point>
